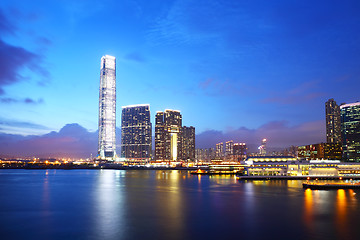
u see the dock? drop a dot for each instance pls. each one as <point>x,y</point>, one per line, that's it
<point>328,186</point>
<point>298,177</point>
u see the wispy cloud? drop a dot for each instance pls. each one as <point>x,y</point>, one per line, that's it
<point>13,59</point>
<point>304,92</point>
<point>136,57</point>
<point>20,124</point>
<point>25,100</point>
<point>278,133</point>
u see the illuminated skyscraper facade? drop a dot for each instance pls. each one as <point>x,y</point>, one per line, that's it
<point>188,143</point>
<point>239,152</point>
<point>333,122</point>
<point>220,150</point>
<point>168,142</point>
<point>107,109</point>
<point>136,132</point>
<point>229,147</point>
<point>350,130</point>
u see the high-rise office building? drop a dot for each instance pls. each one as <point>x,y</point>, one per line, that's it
<point>107,109</point>
<point>168,143</point>
<point>333,122</point>
<point>328,151</point>
<point>220,150</point>
<point>350,129</point>
<point>136,132</point>
<point>239,152</point>
<point>188,143</point>
<point>229,146</point>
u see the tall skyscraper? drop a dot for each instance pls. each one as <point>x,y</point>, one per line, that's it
<point>168,144</point>
<point>136,132</point>
<point>188,143</point>
<point>333,122</point>
<point>220,150</point>
<point>350,129</point>
<point>107,109</point>
<point>239,151</point>
<point>229,147</point>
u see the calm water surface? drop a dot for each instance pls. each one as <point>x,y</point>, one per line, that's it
<point>118,204</point>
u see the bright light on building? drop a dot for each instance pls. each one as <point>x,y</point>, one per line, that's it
<point>107,109</point>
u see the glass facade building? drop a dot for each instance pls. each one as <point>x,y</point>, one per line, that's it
<point>188,143</point>
<point>136,132</point>
<point>168,142</point>
<point>239,152</point>
<point>107,109</point>
<point>229,150</point>
<point>333,122</point>
<point>350,131</point>
<point>220,150</point>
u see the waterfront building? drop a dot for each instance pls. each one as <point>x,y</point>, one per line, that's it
<point>286,166</point>
<point>331,151</point>
<point>188,143</point>
<point>229,150</point>
<point>350,129</point>
<point>168,144</point>
<point>239,152</point>
<point>107,109</point>
<point>136,133</point>
<point>333,122</point>
<point>220,150</point>
<point>311,152</point>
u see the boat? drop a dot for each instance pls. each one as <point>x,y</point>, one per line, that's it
<point>328,186</point>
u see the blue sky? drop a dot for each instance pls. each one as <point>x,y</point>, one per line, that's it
<point>226,65</point>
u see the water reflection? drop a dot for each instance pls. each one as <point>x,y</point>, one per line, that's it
<point>169,201</point>
<point>319,203</point>
<point>223,179</point>
<point>109,205</point>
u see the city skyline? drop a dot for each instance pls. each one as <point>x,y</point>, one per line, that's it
<point>248,87</point>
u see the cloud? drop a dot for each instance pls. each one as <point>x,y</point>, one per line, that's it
<point>6,27</point>
<point>20,124</point>
<point>304,92</point>
<point>26,100</point>
<point>72,141</point>
<point>227,87</point>
<point>278,133</point>
<point>24,16</point>
<point>13,59</point>
<point>44,41</point>
<point>136,57</point>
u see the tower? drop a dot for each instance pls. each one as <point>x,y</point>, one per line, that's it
<point>188,143</point>
<point>168,143</point>
<point>239,152</point>
<point>350,129</point>
<point>229,150</point>
<point>107,109</point>
<point>136,132</point>
<point>220,150</point>
<point>333,122</point>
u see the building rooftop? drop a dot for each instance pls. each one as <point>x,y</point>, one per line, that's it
<point>350,105</point>
<point>136,105</point>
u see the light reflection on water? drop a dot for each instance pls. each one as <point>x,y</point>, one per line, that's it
<point>109,205</point>
<point>117,204</point>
